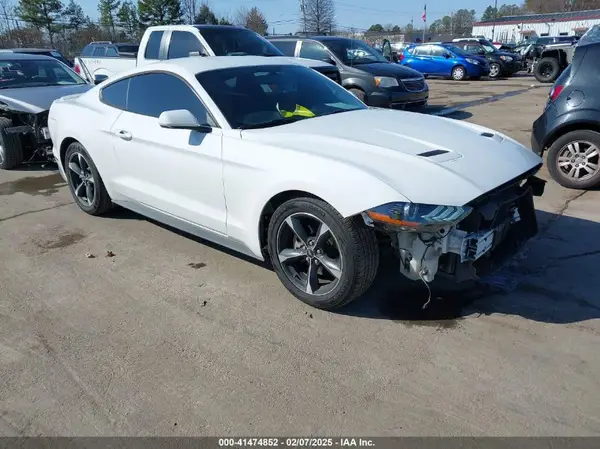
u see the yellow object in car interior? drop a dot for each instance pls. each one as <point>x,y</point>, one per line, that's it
<point>300,111</point>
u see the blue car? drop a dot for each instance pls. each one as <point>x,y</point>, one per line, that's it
<point>444,60</point>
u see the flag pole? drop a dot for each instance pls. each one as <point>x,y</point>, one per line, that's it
<point>424,20</point>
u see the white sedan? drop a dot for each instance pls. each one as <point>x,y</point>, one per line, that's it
<point>278,162</point>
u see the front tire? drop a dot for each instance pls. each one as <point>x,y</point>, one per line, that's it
<point>11,150</point>
<point>85,182</point>
<point>358,94</point>
<point>495,71</point>
<point>574,160</point>
<point>459,73</point>
<point>323,259</point>
<point>547,70</point>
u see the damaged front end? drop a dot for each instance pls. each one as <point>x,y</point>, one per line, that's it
<point>32,129</point>
<point>461,243</point>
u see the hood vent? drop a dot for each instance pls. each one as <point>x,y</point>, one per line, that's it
<point>432,153</point>
<point>496,137</point>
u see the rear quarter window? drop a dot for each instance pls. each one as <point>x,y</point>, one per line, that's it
<point>87,51</point>
<point>115,94</point>
<point>153,45</point>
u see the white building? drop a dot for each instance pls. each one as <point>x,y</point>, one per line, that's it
<point>518,28</point>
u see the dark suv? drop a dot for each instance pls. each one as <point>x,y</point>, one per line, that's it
<point>365,71</point>
<point>502,63</point>
<point>107,49</point>
<point>569,128</point>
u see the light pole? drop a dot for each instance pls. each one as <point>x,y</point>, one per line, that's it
<point>495,16</point>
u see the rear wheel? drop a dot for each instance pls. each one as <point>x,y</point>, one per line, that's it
<point>574,160</point>
<point>547,70</point>
<point>323,259</point>
<point>11,150</point>
<point>358,94</point>
<point>85,182</point>
<point>459,73</point>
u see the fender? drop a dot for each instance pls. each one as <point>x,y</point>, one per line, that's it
<point>570,121</point>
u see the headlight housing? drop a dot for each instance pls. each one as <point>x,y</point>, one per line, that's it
<point>418,217</point>
<point>506,58</point>
<point>386,81</point>
<point>472,61</point>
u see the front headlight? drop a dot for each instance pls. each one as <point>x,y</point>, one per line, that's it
<point>418,217</point>
<point>472,61</point>
<point>386,81</point>
<point>506,58</point>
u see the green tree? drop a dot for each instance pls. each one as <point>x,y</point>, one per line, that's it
<point>108,10</point>
<point>74,16</point>
<point>206,16</point>
<point>489,14</point>
<point>224,21</point>
<point>409,28</point>
<point>462,21</point>
<point>160,12</point>
<point>378,28</point>
<point>255,21</point>
<point>42,15</point>
<point>128,19</point>
<point>510,10</point>
<point>396,29</point>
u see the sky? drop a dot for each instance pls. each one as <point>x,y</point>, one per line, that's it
<point>284,15</point>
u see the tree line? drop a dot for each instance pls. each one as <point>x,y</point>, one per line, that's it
<point>52,23</point>
<point>461,21</point>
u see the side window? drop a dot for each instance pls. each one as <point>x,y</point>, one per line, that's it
<point>423,50</point>
<point>115,94</point>
<point>87,51</point>
<point>175,94</point>
<point>153,45</point>
<point>437,50</point>
<point>313,50</point>
<point>99,51</point>
<point>288,48</point>
<point>182,44</point>
<point>473,48</point>
<point>111,52</point>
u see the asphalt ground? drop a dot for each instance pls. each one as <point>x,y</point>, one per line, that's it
<point>162,334</point>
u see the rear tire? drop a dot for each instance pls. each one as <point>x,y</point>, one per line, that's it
<point>459,73</point>
<point>358,94</point>
<point>575,169</point>
<point>11,150</point>
<point>547,70</point>
<point>85,183</point>
<point>338,260</point>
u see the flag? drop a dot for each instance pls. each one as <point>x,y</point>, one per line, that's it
<point>424,16</point>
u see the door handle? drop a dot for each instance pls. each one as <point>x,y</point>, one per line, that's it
<point>125,135</point>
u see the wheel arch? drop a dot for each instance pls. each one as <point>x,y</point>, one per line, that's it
<point>63,148</point>
<point>579,125</point>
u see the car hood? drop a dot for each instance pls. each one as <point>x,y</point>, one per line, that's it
<point>38,99</point>
<point>389,69</point>
<point>513,55</point>
<point>427,159</point>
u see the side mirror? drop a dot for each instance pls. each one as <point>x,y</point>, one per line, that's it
<point>447,55</point>
<point>183,119</point>
<point>100,78</point>
<point>481,52</point>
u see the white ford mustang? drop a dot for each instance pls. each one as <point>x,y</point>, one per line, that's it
<point>278,162</point>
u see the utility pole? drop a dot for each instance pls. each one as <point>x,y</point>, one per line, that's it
<point>495,17</point>
<point>303,8</point>
<point>452,23</point>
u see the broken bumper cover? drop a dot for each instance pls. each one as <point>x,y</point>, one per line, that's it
<point>496,230</point>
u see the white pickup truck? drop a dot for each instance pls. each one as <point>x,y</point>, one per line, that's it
<point>99,60</point>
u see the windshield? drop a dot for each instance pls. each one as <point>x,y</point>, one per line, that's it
<point>238,42</point>
<point>354,52</point>
<point>458,51</point>
<point>32,73</point>
<point>265,96</point>
<point>489,48</point>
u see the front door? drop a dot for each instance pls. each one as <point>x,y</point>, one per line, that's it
<point>175,171</point>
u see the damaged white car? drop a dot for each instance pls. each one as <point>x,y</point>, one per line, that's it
<point>280,163</point>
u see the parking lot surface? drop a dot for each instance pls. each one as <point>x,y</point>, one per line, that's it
<point>120,326</point>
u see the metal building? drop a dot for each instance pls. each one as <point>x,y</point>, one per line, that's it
<point>513,29</point>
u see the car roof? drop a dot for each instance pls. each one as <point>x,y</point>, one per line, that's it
<point>6,56</point>
<point>32,50</point>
